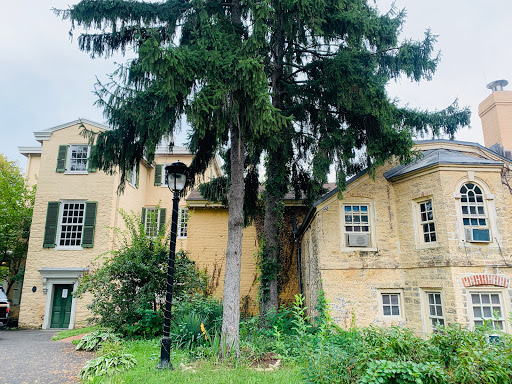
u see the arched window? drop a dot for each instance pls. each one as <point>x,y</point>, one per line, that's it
<point>474,214</point>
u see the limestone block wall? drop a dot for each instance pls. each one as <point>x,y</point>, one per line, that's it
<point>397,260</point>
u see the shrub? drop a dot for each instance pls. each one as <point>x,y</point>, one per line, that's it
<point>371,355</point>
<point>470,357</point>
<point>129,287</point>
<point>94,340</point>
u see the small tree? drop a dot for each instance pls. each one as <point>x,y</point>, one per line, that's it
<point>129,287</point>
<point>16,204</point>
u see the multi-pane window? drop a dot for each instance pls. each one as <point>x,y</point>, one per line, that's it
<point>427,221</point>
<point>151,222</point>
<point>487,308</point>
<point>473,206</point>
<point>391,304</point>
<point>78,157</point>
<point>357,219</point>
<point>132,176</point>
<point>182,222</point>
<point>71,224</point>
<point>435,309</point>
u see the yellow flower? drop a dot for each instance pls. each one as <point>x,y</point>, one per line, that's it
<point>204,332</point>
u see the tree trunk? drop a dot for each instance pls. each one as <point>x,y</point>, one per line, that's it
<point>231,296</point>
<point>277,185</point>
<point>271,263</point>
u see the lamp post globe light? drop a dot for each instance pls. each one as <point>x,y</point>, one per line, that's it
<point>176,175</point>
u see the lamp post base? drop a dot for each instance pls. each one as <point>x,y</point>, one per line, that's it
<point>165,354</point>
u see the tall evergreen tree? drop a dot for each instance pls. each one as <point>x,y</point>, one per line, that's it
<point>212,72</point>
<point>326,63</point>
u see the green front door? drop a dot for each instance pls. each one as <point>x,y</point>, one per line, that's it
<point>61,308</point>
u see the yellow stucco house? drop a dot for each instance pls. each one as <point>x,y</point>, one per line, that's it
<point>75,209</point>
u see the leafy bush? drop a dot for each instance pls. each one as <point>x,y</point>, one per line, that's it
<point>403,372</point>
<point>112,360</point>
<point>129,287</point>
<point>94,340</point>
<point>371,355</point>
<point>470,357</point>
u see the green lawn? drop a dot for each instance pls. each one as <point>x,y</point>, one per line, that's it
<point>73,332</point>
<point>147,353</point>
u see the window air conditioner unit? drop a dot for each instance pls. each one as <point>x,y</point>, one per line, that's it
<point>474,235</point>
<point>358,239</point>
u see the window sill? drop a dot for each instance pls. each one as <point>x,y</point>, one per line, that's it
<point>359,249</point>
<point>68,248</point>
<point>133,186</point>
<point>428,245</point>
<point>399,319</point>
<point>76,172</point>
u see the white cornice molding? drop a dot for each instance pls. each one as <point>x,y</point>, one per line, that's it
<point>46,133</point>
<point>176,150</point>
<point>25,151</point>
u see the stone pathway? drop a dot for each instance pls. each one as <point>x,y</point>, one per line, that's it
<point>30,357</point>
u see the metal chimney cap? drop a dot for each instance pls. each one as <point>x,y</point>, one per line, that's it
<point>497,85</point>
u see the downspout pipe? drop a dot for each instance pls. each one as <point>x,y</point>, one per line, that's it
<point>297,243</point>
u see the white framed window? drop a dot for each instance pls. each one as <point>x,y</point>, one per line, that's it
<point>474,213</point>
<point>182,223</point>
<point>71,224</point>
<point>78,158</point>
<point>357,225</point>
<point>132,176</point>
<point>487,308</point>
<point>427,225</point>
<point>434,304</point>
<point>151,222</point>
<point>391,306</point>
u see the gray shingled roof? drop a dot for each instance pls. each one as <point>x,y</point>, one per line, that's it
<point>435,157</point>
<point>196,195</point>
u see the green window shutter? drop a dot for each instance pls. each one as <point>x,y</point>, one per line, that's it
<point>90,167</point>
<point>143,217</point>
<point>129,176</point>
<point>52,221</point>
<point>163,212</point>
<point>61,158</point>
<point>137,177</point>
<point>158,174</point>
<point>89,224</point>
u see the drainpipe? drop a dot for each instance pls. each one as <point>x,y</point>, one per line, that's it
<point>296,240</point>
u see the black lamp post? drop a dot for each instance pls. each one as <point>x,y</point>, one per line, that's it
<point>176,175</point>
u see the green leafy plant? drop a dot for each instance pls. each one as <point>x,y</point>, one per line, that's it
<point>403,372</point>
<point>112,361</point>
<point>189,313</point>
<point>129,286</point>
<point>94,340</point>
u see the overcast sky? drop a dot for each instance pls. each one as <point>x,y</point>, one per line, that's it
<point>46,81</point>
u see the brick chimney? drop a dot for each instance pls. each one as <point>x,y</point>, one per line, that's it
<point>496,115</point>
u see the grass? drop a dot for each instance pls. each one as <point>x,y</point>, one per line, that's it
<point>73,332</point>
<point>147,353</point>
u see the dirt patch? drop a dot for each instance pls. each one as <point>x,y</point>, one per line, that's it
<point>267,360</point>
<point>71,338</point>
